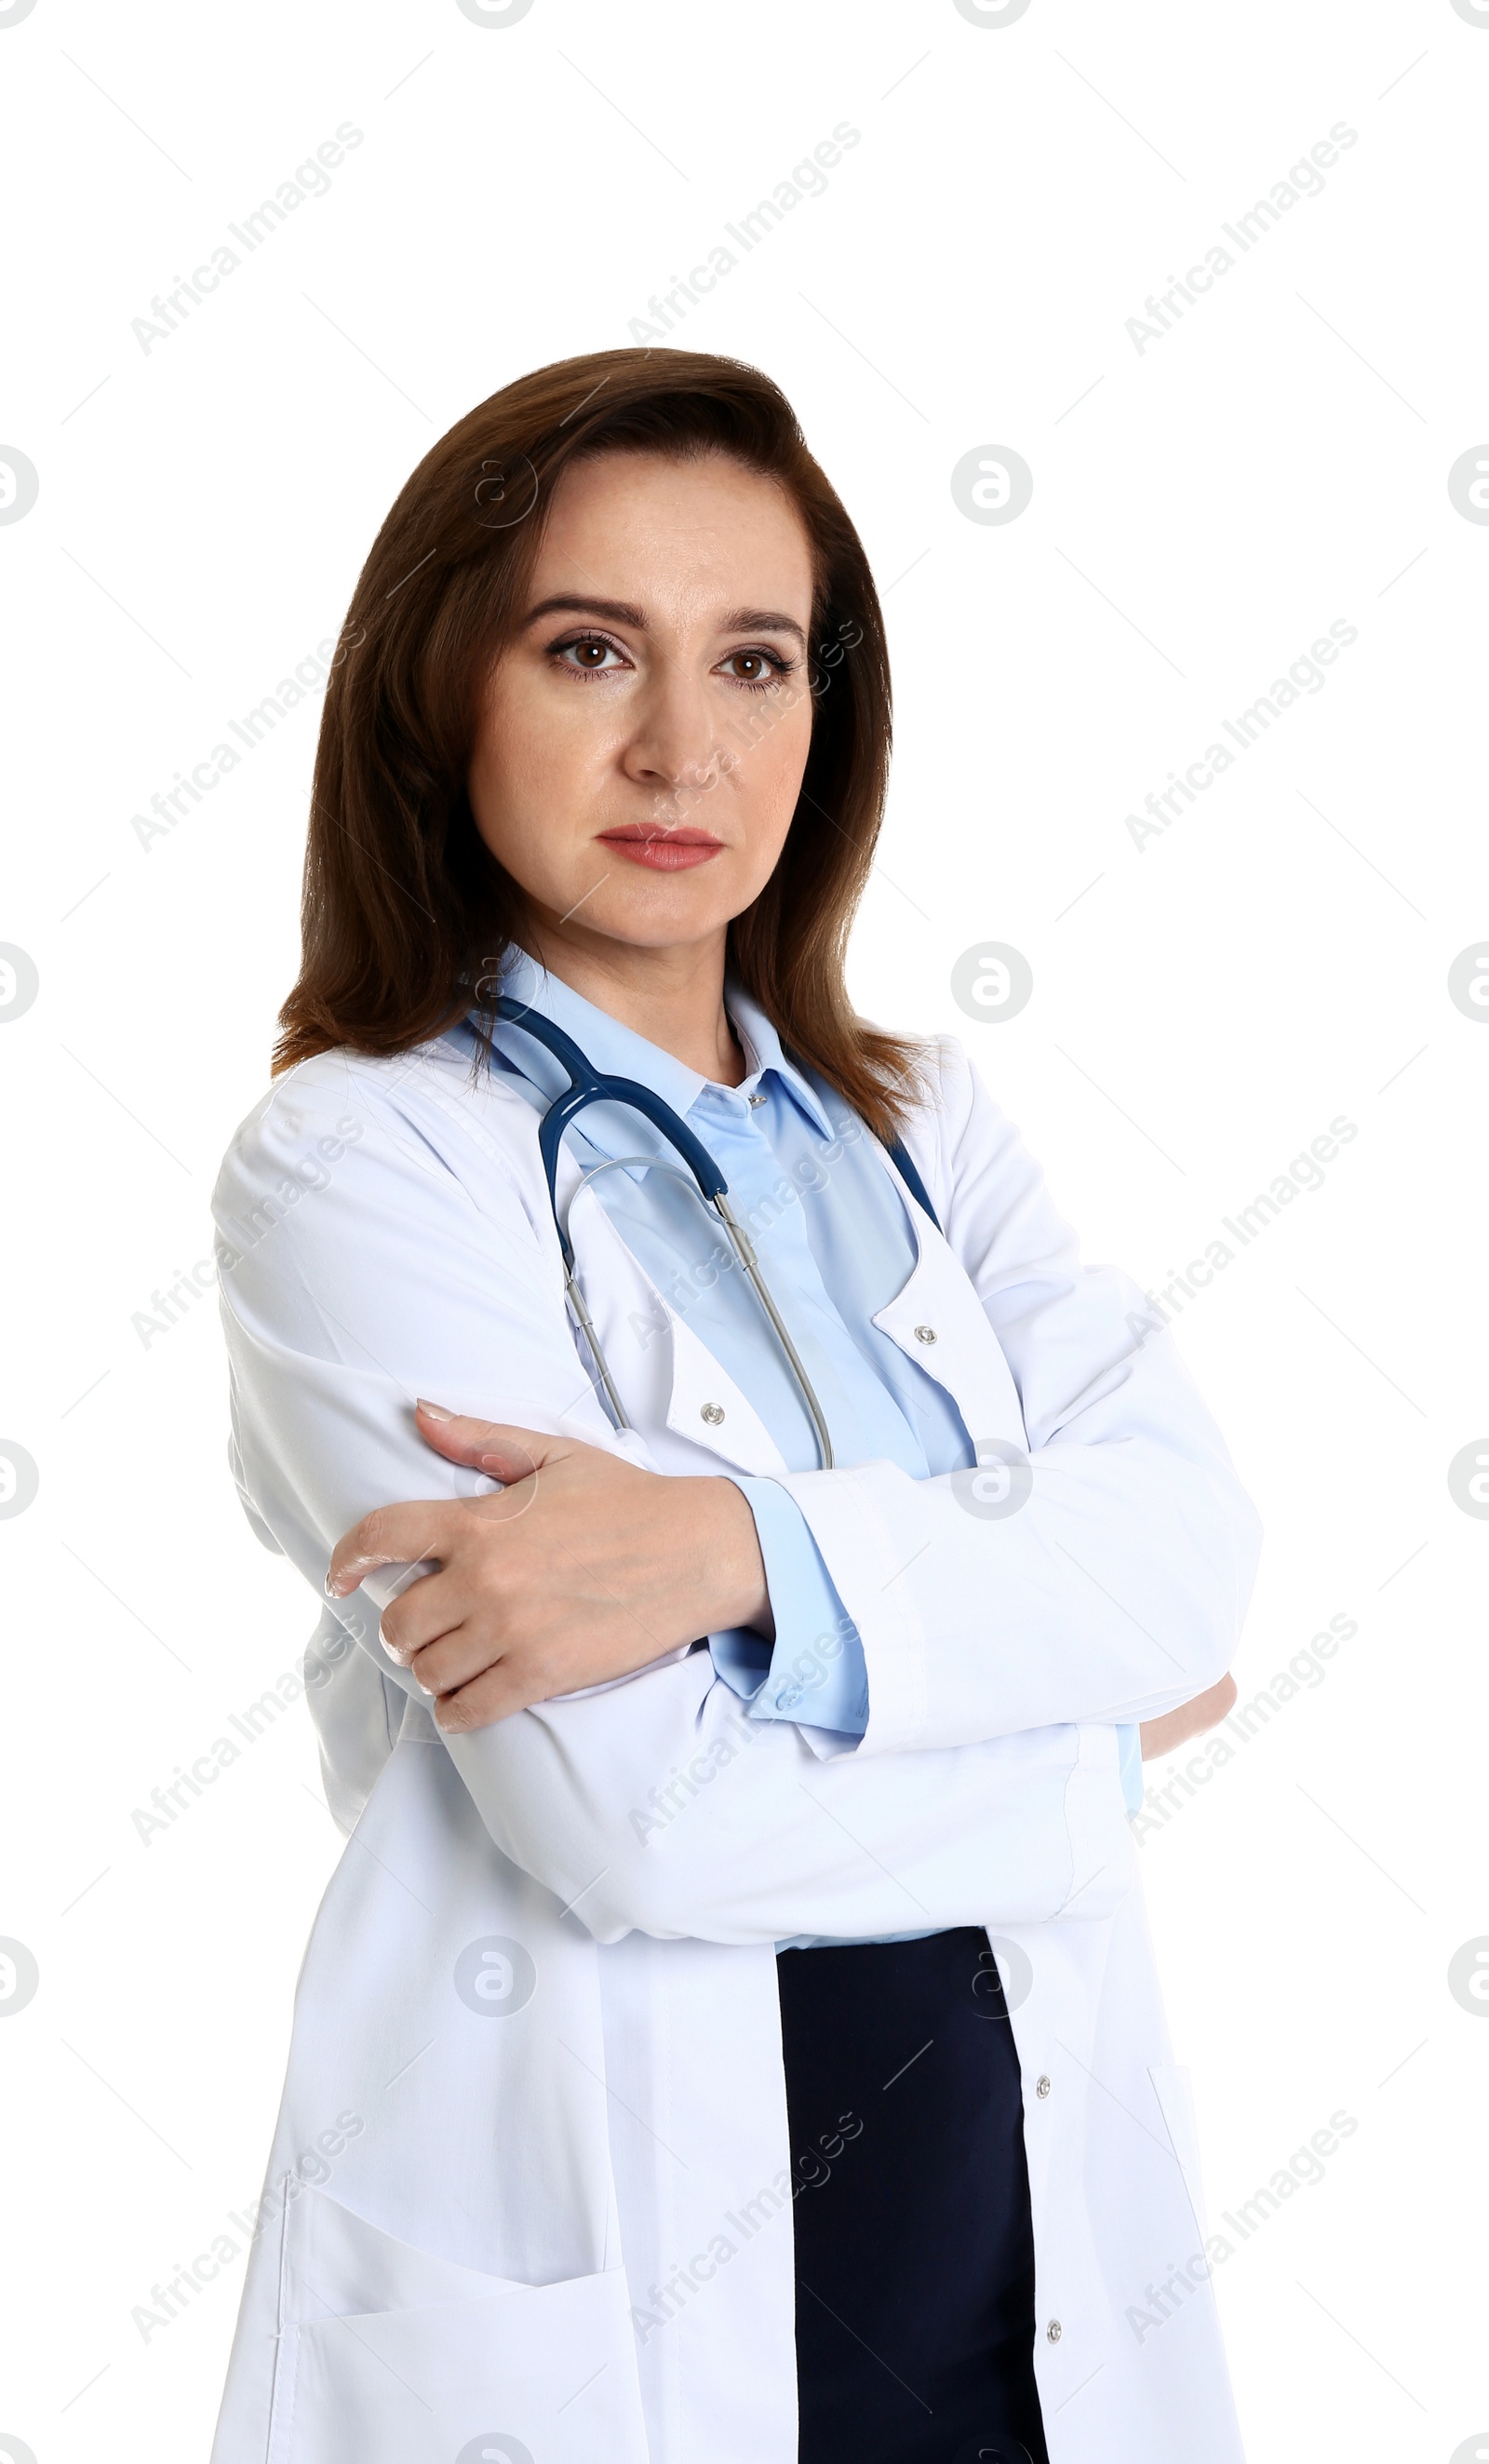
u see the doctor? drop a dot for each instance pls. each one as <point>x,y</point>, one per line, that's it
<point>730,2034</point>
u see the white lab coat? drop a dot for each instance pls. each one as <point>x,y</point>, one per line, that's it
<point>547,2212</point>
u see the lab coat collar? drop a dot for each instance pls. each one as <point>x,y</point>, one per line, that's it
<point>617,1051</point>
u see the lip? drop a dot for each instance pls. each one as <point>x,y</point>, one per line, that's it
<point>662,850</point>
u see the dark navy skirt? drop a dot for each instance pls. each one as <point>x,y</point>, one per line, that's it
<point>914,2250</point>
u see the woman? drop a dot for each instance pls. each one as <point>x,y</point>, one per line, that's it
<point>655,2090</point>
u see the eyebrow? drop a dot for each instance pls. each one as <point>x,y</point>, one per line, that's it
<point>619,611</point>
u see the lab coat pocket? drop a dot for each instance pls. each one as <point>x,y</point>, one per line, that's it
<point>1172,2085</point>
<point>390,2355</point>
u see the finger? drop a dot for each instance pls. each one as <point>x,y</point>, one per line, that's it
<point>495,1695</point>
<point>390,1535</point>
<point>1206,1709</point>
<point>1165,1734</point>
<point>495,1446</point>
<point>433,1606</point>
<point>456,1658</point>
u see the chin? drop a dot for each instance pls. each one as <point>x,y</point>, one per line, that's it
<point>652,910</point>
<point>661,923</point>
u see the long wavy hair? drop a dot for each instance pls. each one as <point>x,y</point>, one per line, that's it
<point>405,909</point>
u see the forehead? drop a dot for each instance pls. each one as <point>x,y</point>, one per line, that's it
<point>696,534</point>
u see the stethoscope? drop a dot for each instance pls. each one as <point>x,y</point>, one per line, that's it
<point>588,1085</point>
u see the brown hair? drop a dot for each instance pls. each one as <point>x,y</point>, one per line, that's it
<point>405,909</point>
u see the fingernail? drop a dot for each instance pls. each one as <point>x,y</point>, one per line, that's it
<point>435,1411</point>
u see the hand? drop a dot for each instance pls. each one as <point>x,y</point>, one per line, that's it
<point>582,1568</point>
<point>1175,1728</point>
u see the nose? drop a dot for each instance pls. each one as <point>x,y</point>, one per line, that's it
<point>673,747</point>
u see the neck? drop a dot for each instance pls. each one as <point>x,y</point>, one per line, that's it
<point>673,997</point>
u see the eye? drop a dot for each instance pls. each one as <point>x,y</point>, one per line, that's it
<point>757,669</point>
<point>588,654</point>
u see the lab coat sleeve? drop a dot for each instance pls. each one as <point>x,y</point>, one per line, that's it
<point>817,1674</point>
<point>1117,1591</point>
<point>816,1671</point>
<point>352,1286</point>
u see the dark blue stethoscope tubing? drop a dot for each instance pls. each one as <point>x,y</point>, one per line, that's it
<point>590,1086</point>
<point>630,1091</point>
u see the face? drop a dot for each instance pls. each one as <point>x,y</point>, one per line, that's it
<point>645,732</point>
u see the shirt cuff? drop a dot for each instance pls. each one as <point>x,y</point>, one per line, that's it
<point>816,1673</point>
<point>1130,1764</point>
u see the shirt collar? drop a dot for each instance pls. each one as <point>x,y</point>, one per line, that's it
<point>617,1051</point>
<point>763,1051</point>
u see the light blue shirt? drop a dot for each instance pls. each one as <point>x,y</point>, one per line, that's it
<point>834,1243</point>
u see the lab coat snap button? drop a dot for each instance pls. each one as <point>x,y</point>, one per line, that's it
<point>925,1334</point>
<point>712,1412</point>
<point>1041,2084</point>
<point>1052,2331</point>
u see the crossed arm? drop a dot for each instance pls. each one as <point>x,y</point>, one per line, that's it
<point>1114,1596</point>
<point>658,1806</point>
<point>580,1569</point>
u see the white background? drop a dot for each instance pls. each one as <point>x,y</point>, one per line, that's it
<point>1202,511</point>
